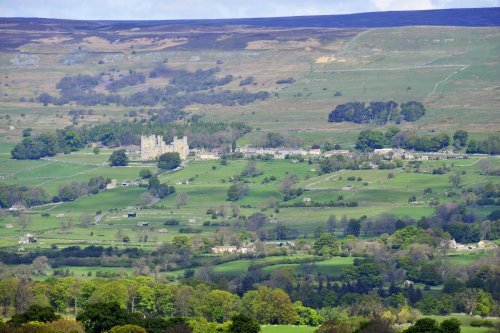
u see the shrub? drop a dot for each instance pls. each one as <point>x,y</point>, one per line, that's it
<point>479,322</point>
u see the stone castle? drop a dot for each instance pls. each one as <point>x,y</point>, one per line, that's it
<point>153,146</point>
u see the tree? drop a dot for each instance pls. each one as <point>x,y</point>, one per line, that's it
<point>334,326</point>
<point>39,313</point>
<point>40,265</point>
<point>145,173</point>
<point>307,316</point>
<point>127,329</point>
<point>370,139</point>
<point>24,221</point>
<point>181,199</point>
<point>377,325</point>
<point>455,179</point>
<point>100,317</point>
<point>424,325</point>
<point>327,245</point>
<point>255,221</point>
<point>269,306</point>
<point>237,191</point>
<point>460,138</point>
<point>169,161</point>
<point>451,325</point>
<point>251,170</point>
<point>243,324</point>
<point>118,158</point>
<point>110,292</point>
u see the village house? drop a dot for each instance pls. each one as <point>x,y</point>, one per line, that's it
<point>224,249</point>
<point>27,239</point>
<point>17,208</point>
<point>245,249</point>
<point>207,155</point>
<point>331,153</point>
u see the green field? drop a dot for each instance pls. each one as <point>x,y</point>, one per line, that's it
<point>376,193</point>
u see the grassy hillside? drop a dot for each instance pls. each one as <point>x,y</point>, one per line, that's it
<point>453,70</point>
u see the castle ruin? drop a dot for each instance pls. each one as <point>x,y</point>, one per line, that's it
<point>153,146</point>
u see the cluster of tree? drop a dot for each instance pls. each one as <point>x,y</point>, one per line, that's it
<point>276,140</point>
<point>131,79</point>
<point>143,297</point>
<point>48,144</point>
<point>25,194</point>
<point>490,145</point>
<point>246,81</point>
<point>57,257</point>
<point>251,170</point>
<point>159,190</point>
<point>374,139</point>
<point>169,161</point>
<point>201,135</point>
<point>192,81</point>
<point>181,92</point>
<point>237,191</point>
<point>74,190</point>
<point>377,112</point>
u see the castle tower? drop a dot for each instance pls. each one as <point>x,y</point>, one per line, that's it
<point>181,146</point>
<point>153,146</point>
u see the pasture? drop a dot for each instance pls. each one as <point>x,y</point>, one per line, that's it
<point>453,71</point>
<point>377,192</point>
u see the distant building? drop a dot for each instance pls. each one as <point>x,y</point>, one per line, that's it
<point>8,226</point>
<point>132,214</point>
<point>331,153</point>
<point>17,208</point>
<point>224,249</point>
<point>111,185</point>
<point>208,155</point>
<point>27,239</point>
<point>153,146</point>
<point>248,248</point>
<point>306,199</point>
<point>143,224</point>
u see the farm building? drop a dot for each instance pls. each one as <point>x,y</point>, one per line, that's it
<point>132,214</point>
<point>143,224</point>
<point>224,249</point>
<point>249,248</point>
<point>17,208</point>
<point>27,239</point>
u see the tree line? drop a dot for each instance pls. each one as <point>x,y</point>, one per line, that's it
<point>206,135</point>
<point>394,137</point>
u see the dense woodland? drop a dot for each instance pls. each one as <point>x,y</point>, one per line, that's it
<point>369,293</point>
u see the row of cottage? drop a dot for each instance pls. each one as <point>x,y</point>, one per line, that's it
<point>282,153</point>
<point>154,145</point>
